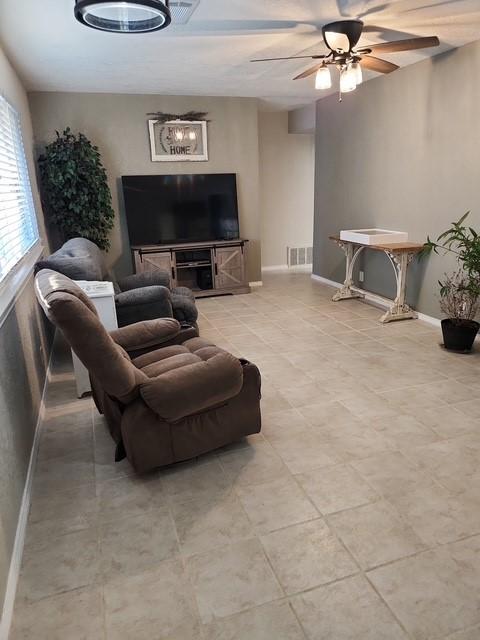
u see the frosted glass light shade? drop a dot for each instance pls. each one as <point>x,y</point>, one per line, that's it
<point>323,79</point>
<point>337,41</point>
<point>348,81</point>
<point>358,72</point>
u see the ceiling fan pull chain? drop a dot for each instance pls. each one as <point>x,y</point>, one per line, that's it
<point>340,94</point>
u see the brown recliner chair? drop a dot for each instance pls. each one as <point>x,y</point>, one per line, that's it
<point>166,396</point>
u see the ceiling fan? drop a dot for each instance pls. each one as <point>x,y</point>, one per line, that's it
<point>341,38</point>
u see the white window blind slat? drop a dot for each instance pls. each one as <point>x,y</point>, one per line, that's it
<point>18,222</point>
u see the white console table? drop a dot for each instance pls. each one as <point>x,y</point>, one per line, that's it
<point>102,295</point>
<point>400,256</point>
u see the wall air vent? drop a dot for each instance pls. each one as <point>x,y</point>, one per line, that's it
<point>182,10</point>
<point>299,256</point>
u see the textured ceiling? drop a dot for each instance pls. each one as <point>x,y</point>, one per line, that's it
<point>210,55</point>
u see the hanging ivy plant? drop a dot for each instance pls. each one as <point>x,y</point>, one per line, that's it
<point>75,190</point>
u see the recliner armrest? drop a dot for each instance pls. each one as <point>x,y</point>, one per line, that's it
<point>146,279</point>
<point>184,309</point>
<point>193,388</point>
<point>146,334</point>
<point>148,303</point>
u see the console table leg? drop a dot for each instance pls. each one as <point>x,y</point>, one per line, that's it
<point>347,292</point>
<point>399,310</point>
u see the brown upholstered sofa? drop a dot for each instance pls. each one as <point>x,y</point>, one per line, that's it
<point>167,395</point>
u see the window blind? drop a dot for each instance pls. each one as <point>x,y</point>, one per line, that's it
<point>18,222</point>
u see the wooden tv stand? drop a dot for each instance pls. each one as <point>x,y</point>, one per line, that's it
<point>208,268</point>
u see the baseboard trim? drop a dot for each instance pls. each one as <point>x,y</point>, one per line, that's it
<point>375,299</point>
<point>17,553</point>
<point>276,267</point>
<point>282,268</point>
<point>256,283</point>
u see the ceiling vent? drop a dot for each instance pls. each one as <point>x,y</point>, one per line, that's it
<point>182,10</point>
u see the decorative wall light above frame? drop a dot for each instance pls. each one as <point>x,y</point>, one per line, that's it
<point>178,140</point>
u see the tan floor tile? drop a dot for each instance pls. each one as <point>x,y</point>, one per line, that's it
<point>252,465</point>
<point>392,474</point>
<point>274,621</point>
<point>336,488</point>
<point>357,441</point>
<point>375,534</point>
<point>232,579</point>
<point>300,396</point>
<point>61,512</point>
<point>61,564</point>
<point>75,615</point>
<point>447,422</point>
<point>326,412</point>
<point>471,408</point>
<point>432,593</point>
<point>132,496</point>
<point>194,481</point>
<point>411,397</point>
<point>275,504</point>
<point>438,515</point>
<point>347,610</point>
<point>70,443</point>
<point>134,544</point>
<point>281,425</point>
<point>67,421</point>
<point>450,391</point>
<point>404,431</point>
<point>210,523</point>
<point>156,604</point>
<point>65,473</point>
<point>451,462</point>
<point>467,634</point>
<point>306,450</point>
<point>307,555</point>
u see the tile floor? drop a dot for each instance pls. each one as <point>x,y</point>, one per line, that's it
<point>355,515</point>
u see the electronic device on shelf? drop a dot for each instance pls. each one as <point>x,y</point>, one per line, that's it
<point>168,209</point>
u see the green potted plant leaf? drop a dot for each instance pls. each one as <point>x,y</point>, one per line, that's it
<point>460,292</point>
<point>75,191</point>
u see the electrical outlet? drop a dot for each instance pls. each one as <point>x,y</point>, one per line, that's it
<point>361,276</point>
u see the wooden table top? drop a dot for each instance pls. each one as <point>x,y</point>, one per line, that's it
<point>394,246</point>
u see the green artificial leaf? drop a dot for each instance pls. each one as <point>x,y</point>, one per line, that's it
<point>75,191</point>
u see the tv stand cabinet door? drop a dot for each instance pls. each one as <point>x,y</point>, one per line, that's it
<point>229,267</point>
<point>153,261</point>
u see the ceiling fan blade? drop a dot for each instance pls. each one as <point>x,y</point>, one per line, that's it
<point>288,58</point>
<point>377,64</point>
<point>308,72</point>
<point>404,45</point>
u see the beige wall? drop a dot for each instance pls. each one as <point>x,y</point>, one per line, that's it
<point>117,124</point>
<point>286,187</point>
<point>24,351</point>
<point>402,152</point>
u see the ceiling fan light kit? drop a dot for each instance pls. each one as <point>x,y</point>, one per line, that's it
<point>129,16</point>
<point>341,38</point>
<point>323,78</point>
<point>343,35</point>
<point>348,79</point>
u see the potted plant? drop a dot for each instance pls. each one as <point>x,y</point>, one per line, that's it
<point>460,292</point>
<point>75,190</point>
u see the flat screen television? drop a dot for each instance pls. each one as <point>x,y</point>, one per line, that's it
<point>181,208</point>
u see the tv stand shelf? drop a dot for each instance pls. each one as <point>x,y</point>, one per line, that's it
<point>208,268</point>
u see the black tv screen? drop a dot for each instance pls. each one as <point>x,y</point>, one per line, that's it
<point>181,208</point>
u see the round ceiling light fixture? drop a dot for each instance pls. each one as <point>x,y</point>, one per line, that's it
<point>129,16</point>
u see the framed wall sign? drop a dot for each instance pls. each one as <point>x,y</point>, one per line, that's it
<point>178,140</point>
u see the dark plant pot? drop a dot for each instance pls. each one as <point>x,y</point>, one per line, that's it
<point>459,335</point>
